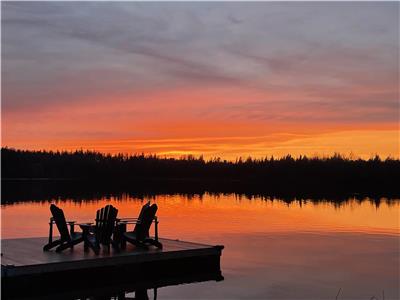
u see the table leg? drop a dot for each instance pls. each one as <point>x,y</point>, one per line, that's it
<point>122,229</point>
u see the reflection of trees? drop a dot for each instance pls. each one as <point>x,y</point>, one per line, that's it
<point>46,192</point>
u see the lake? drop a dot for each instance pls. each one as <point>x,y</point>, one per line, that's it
<point>274,248</point>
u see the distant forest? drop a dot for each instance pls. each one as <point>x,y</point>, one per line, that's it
<point>335,174</point>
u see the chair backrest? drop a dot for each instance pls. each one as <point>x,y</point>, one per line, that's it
<point>105,222</point>
<point>59,219</point>
<point>142,228</point>
<point>143,209</point>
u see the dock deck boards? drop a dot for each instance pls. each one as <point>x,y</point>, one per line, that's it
<point>25,256</point>
<point>27,270</point>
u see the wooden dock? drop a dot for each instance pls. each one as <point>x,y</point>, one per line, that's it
<point>27,270</point>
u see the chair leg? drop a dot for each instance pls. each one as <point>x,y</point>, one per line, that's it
<point>77,241</point>
<point>115,245</point>
<point>154,243</point>
<point>123,244</point>
<point>95,248</point>
<point>142,245</point>
<point>137,243</point>
<point>92,245</point>
<point>69,244</point>
<point>63,247</point>
<point>48,246</point>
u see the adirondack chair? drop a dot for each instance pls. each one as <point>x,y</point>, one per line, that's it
<point>140,235</point>
<point>102,231</point>
<point>68,238</point>
<point>122,225</point>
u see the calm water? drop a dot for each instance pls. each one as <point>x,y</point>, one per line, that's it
<point>273,250</point>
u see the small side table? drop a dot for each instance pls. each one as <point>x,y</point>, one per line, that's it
<point>120,228</point>
<point>85,233</point>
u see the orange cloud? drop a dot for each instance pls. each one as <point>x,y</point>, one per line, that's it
<point>215,122</point>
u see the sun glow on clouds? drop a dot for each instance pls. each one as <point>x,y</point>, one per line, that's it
<point>213,79</point>
<point>231,148</point>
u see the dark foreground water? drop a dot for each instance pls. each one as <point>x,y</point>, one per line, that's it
<point>274,249</point>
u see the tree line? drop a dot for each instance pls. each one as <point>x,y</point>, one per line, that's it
<point>327,174</point>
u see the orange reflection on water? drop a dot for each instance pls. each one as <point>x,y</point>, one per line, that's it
<point>200,218</point>
<point>272,249</point>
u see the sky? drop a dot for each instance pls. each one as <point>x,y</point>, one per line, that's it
<point>215,79</point>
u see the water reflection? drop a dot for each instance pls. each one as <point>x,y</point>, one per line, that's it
<point>14,191</point>
<point>201,216</point>
<point>275,247</point>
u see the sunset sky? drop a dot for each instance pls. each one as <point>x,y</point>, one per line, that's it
<point>218,79</point>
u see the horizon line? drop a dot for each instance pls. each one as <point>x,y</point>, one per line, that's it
<point>351,156</point>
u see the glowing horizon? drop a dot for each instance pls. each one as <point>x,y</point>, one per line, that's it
<point>303,145</point>
<point>222,80</point>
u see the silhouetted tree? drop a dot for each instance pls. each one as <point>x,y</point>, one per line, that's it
<point>335,173</point>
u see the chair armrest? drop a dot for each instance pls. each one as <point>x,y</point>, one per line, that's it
<point>71,226</point>
<point>88,224</point>
<point>133,220</point>
<point>127,219</point>
<point>68,222</point>
<point>129,222</point>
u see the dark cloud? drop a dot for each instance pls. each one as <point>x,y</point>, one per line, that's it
<point>58,52</point>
